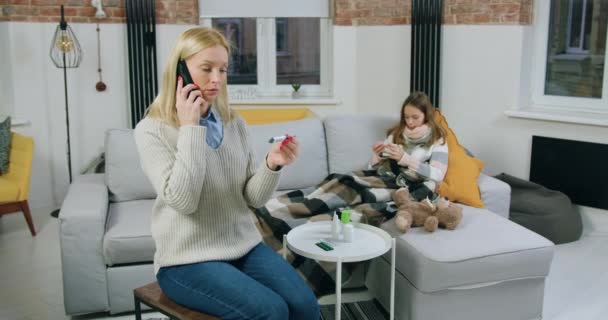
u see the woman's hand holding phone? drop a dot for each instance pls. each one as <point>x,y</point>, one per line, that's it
<point>189,103</point>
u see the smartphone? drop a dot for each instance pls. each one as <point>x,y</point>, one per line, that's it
<point>182,70</point>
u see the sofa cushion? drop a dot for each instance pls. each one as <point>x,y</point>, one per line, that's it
<point>128,238</point>
<point>460,182</point>
<point>484,248</point>
<point>496,195</point>
<point>350,139</point>
<point>124,175</point>
<point>9,190</point>
<point>311,166</point>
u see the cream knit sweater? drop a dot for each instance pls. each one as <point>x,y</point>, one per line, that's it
<point>201,211</point>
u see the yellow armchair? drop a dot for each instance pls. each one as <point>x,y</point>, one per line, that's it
<point>15,184</point>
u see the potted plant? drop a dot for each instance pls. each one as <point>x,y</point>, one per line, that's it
<point>296,87</point>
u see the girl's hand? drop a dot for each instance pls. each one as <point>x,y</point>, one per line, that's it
<point>394,151</point>
<point>378,147</point>
<point>189,103</point>
<point>283,153</point>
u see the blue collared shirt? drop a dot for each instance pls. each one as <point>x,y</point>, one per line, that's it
<point>215,129</point>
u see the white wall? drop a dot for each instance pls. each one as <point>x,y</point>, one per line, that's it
<point>383,68</point>
<point>6,91</point>
<point>36,93</point>
<point>38,96</point>
<point>31,90</point>
<point>484,72</point>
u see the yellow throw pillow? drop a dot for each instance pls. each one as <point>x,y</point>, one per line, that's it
<point>266,116</point>
<point>460,182</point>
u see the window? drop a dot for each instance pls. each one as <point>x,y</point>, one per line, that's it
<point>576,50</point>
<point>298,51</point>
<point>241,33</point>
<point>283,43</point>
<point>570,55</point>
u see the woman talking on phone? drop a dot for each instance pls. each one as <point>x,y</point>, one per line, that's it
<point>197,154</point>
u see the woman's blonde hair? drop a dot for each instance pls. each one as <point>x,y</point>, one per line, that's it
<point>188,43</point>
<point>420,101</point>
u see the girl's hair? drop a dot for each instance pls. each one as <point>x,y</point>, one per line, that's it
<point>188,43</point>
<point>420,101</point>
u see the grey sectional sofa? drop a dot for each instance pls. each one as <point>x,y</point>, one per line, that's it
<point>488,268</point>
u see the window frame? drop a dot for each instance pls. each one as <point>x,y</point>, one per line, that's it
<point>551,102</point>
<point>579,49</point>
<point>286,26</point>
<point>267,87</point>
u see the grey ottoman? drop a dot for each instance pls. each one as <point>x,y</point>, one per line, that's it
<point>547,212</point>
<point>488,268</point>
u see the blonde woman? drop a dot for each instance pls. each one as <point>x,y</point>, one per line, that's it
<point>195,151</point>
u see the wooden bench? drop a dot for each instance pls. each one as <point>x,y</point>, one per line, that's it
<point>152,296</point>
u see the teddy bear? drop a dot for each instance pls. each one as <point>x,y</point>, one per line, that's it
<point>411,213</point>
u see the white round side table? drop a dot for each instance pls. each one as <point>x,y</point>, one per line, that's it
<point>368,242</point>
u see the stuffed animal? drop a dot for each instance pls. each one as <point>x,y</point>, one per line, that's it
<point>410,213</point>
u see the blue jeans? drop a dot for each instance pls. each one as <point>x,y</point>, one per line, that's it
<point>260,285</point>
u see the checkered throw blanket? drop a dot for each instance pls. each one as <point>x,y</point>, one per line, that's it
<point>365,192</point>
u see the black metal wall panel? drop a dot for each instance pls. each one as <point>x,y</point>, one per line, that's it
<point>426,47</point>
<point>567,166</point>
<point>141,33</point>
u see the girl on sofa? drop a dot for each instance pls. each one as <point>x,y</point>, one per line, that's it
<point>414,152</point>
<point>195,151</point>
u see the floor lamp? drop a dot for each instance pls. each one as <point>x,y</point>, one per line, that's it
<point>65,53</point>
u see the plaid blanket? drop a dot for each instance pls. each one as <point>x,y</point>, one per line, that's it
<point>365,192</point>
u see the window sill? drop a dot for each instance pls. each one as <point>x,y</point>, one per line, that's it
<point>19,122</point>
<point>572,56</point>
<point>586,118</point>
<point>286,101</point>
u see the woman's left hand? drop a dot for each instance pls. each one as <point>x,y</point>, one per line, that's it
<point>394,151</point>
<point>283,153</point>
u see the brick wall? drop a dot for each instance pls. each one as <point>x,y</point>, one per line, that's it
<point>167,11</point>
<point>391,12</point>
<point>348,12</point>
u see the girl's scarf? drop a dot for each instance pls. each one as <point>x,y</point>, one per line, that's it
<point>418,135</point>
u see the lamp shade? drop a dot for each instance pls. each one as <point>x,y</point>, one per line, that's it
<point>65,49</point>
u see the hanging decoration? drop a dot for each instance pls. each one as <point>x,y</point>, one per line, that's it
<point>99,14</point>
<point>100,86</point>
